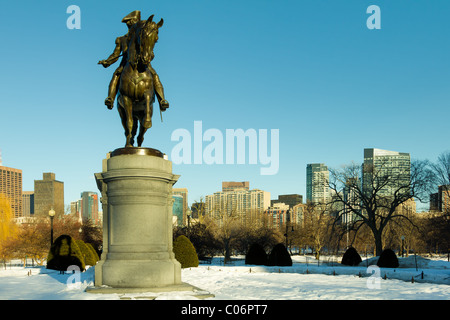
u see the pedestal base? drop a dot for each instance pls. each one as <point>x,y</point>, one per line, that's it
<point>141,273</point>
<point>136,186</point>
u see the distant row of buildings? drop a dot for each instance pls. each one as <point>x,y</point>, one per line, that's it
<point>234,198</point>
<point>48,194</point>
<point>238,198</point>
<point>383,162</point>
<point>87,208</point>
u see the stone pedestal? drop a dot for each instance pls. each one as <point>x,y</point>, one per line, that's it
<point>136,186</point>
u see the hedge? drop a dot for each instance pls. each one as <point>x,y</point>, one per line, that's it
<point>63,253</point>
<point>185,252</point>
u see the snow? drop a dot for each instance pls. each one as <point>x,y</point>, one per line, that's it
<point>305,280</point>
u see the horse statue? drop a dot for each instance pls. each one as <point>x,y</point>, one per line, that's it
<point>136,92</point>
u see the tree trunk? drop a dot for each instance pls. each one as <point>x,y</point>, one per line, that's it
<point>227,257</point>
<point>378,244</point>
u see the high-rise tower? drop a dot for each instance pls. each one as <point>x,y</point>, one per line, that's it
<point>317,187</point>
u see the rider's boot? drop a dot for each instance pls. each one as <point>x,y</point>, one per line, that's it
<point>148,118</point>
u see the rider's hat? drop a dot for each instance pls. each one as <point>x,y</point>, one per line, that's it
<point>133,15</point>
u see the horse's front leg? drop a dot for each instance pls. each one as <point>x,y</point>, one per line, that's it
<point>146,120</point>
<point>128,107</point>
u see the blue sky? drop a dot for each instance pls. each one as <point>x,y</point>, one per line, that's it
<point>311,69</point>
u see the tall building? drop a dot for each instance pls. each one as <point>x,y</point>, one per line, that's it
<point>238,201</point>
<point>48,194</point>
<point>440,201</point>
<point>278,214</point>
<point>351,200</point>
<point>89,206</point>
<point>317,187</point>
<point>183,192</point>
<point>233,185</point>
<point>387,170</point>
<point>434,202</point>
<point>177,210</point>
<point>28,203</point>
<point>298,214</point>
<point>444,198</point>
<point>290,199</point>
<point>11,187</point>
<point>75,209</point>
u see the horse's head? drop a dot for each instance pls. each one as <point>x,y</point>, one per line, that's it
<point>147,36</point>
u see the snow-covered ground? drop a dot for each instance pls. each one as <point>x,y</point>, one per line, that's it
<point>305,280</point>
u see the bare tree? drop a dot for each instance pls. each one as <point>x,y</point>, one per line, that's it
<point>440,223</point>
<point>372,197</point>
<point>316,227</point>
<point>441,169</point>
<point>256,229</point>
<point>228,231</point>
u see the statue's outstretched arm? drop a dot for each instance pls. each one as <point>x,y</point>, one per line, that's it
<point>113,57</point>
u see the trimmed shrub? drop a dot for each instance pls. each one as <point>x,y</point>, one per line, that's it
<point>185,252</point>
<point>94,253</point>
<point>351,257</point>
<point>388,259</point>
<point>279,256</point>
<point>63,253</point>
<point>256,255</point>
<point>88,256</point>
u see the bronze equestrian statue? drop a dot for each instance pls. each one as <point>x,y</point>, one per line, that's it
<point>135,81</point>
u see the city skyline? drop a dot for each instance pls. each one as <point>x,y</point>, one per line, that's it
<point>313,71</point>
<point>316,175</point>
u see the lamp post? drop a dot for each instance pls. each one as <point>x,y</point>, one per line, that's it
<point>188,215</point>
<point>51,213</point>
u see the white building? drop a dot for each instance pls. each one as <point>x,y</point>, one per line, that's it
<point>237,202</point>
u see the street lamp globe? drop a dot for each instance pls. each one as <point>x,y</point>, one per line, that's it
<point>51,213</point>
